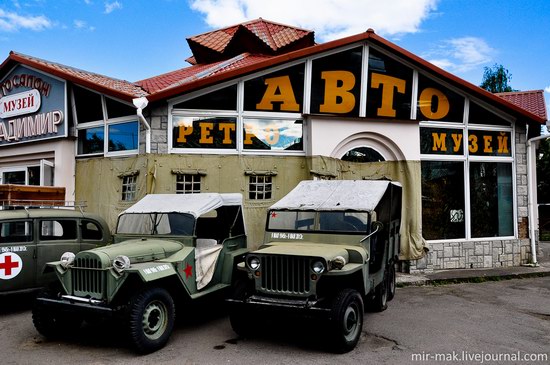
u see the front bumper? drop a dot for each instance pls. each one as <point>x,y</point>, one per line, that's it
<point>306,307</point>
<point>70,304</point>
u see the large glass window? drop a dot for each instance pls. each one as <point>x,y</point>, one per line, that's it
<point>123,136</point>
<point>223,99</point>
<point>491,199</point>
<point>204,132</point>
<point>336,83</point>
<point>273,134</point>
<point>438,103</point>
<point>281,91</point>
<point>443,200</point>
<point>390,87</point>
<point>91,140</point>
<point>88,105</point>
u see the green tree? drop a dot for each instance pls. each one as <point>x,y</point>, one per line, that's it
<point>496,79</point>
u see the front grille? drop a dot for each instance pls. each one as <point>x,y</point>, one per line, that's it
<point>87,277</point>
<point>285,274</point>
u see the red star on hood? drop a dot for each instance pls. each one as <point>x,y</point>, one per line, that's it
<point>188,270</point>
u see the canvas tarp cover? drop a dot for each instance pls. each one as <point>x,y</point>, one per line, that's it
<point>194,204</point>
<point>356,195</point>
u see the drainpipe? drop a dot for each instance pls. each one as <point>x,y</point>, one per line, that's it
<point>531,174</point>
<point>140,104</point>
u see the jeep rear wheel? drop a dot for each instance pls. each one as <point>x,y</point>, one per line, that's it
<point>391,280</point>
<point>379,302</point>
<point>151,319</point>
<point>346,320</point>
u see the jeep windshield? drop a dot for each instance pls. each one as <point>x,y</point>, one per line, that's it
<point>318,221</point>
<point>176,224</point>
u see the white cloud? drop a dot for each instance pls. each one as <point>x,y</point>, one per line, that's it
<point>81,24</point>
<point>10,22</point>
<point>330,19</point>
<point>547,89</point>
<point>460,54</point>
<point>110,7</point>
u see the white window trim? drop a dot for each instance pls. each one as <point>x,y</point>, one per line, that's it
<point>466,158</point>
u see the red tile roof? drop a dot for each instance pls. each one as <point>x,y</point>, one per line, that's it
<point>274,35</point>
<point>532,101</point>
<point>108,85</point>
<point>197,72</point>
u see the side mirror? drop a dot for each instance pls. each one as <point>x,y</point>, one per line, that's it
<point>376,226</point>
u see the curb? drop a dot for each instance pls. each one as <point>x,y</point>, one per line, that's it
<point>443,278</point>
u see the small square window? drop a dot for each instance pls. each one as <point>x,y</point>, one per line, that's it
<point>260,187</point>
<point>188,184</point>
<point>129,187</point>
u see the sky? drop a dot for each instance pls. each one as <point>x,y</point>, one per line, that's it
<point>136,39</point>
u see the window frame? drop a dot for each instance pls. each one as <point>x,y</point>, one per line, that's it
<point>256,184</point>
<point>468,158</point>
<point>105,123</point>
<point>127,192</point>
<point>184,183</point>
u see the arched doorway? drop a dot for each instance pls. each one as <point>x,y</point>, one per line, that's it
<point>368,147</point>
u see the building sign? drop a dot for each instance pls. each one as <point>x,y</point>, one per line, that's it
<point>32,107</point>
<point>443,141</point>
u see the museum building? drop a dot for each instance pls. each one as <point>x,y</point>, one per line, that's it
<point>262,107</point>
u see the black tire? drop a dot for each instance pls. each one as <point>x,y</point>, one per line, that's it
<point>346,321</point>
<point>53,324</point>
<point>391,280</point>
<point>241,321</point>
<point>379,301</point>
<point>150,320</point>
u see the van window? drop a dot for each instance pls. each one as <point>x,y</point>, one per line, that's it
<point>91,231</point>
<point>16,231</point>
<point>58,230</point>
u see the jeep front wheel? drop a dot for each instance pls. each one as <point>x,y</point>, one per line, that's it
<point>151,319</point>
<point>346,320</point>
<point>51,323</point>
<point>241,321</point>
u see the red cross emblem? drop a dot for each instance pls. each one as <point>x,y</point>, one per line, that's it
<point>188,270</point>
<point>10,265</point>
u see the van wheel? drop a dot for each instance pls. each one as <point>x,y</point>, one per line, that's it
<point>241,321</point>
<point>391,280</point>
<point>53,324</point>
<point>346,320</point>
<point>151,320</point>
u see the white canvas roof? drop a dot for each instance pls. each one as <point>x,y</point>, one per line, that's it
<point>195,204</point>
<point>358,195</point>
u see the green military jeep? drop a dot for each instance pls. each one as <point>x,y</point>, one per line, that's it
<point>168,249</point>
<point>31,237</point>
<point>330,250</point>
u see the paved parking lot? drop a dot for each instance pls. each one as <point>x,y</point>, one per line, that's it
<point>453,322</point>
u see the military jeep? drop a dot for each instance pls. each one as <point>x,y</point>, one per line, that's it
<point>329,251</point>
<point>168,249</point>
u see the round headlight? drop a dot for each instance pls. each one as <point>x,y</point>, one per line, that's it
<point>253,262</point>
<point>121,263</point>
<point>67,259</point>
<point>318,267</point>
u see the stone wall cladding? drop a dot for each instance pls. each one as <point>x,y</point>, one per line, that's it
<point>157,117</point>
<point>474,255</point>
<point>488,253</point>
